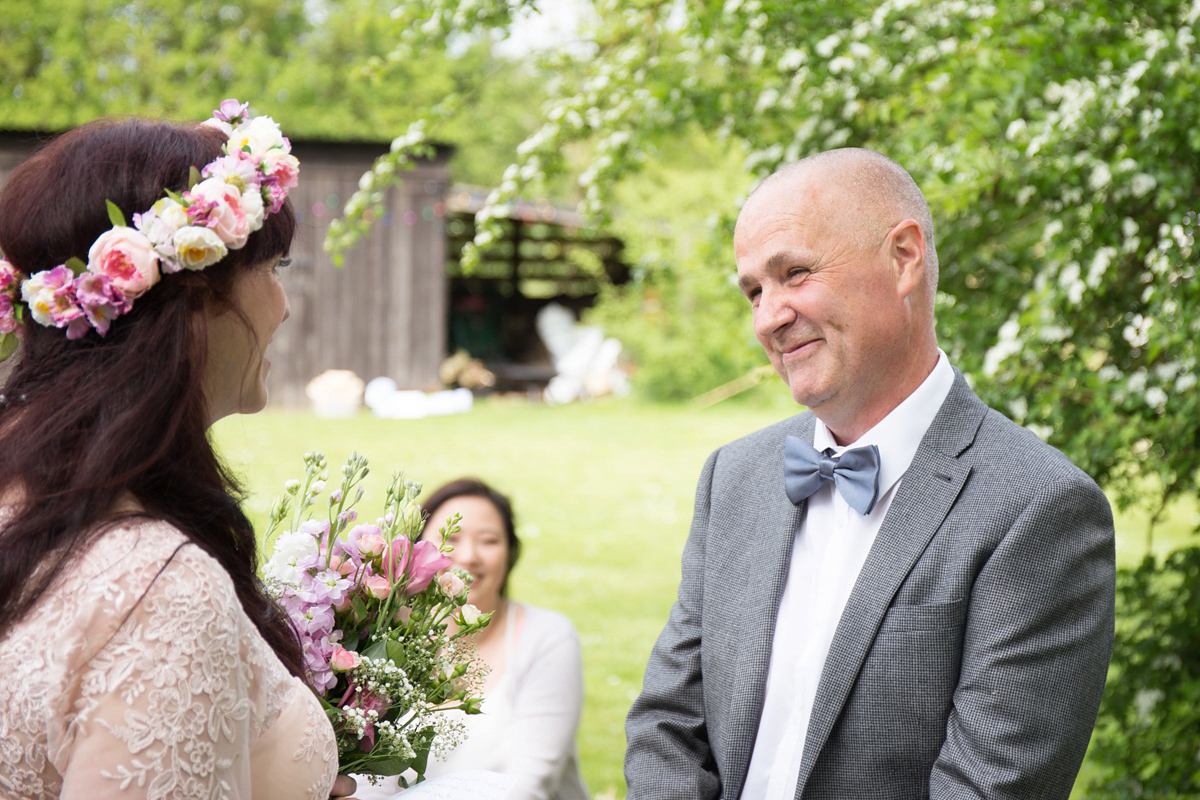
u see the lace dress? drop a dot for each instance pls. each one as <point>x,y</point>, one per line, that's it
<point>138,675</point>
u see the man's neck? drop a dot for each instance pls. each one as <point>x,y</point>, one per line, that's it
<point>866,417</point>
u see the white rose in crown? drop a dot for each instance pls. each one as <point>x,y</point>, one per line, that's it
<point>258,136</point>
<point>197,247</point>
<point>252,207</point>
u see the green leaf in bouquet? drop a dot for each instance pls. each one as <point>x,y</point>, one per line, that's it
<point>422,743</point>
<point>378,650</point>
<point>395,651</point>
<point>350,641</point>
<point>360,607</point>
<point>392,765</point>
<point>76,265</point>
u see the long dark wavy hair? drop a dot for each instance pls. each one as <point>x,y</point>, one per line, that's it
<point>86,422</point>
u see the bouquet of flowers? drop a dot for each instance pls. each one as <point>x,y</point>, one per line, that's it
<point>371,610</point>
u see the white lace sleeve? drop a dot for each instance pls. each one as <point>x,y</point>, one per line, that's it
<point>138,677</point>
<point>167,686</point>
<point>164,709</point>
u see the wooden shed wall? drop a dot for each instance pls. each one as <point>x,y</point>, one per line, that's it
<point>384,312</point>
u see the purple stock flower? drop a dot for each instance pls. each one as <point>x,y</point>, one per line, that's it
<point>101,300</point>
<point>8,276</point>
<point>327,587</point>
<point>8,317</point>
<point>199,210</point>
<point>318,529</point>
<point>232,111</point>
<point>273,193</point>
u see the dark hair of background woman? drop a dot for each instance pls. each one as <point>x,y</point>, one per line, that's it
<point>473,487</point>
<point>86,421</point>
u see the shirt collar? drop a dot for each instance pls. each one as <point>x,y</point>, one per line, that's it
<point>899,433</point>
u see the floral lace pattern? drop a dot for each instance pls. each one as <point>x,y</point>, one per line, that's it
<point>138,675</point>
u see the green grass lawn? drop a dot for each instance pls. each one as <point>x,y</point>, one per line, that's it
<point>603,495</point>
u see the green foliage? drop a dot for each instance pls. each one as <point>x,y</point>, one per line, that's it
<point>319,69</point>
<point>1056,142</point>
<point>684,332</point>
<point>1147,741</point>
<point>682,317</point>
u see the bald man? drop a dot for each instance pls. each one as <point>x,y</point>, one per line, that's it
<point>898,593</point>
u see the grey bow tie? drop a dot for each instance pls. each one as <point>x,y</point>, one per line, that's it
<point>855,473</point>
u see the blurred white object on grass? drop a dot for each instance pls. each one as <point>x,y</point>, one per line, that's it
<point>387,401</point>
<point>335,393</point>
<point>585,359</point>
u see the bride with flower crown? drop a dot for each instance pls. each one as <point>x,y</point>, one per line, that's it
<point>142,658</point>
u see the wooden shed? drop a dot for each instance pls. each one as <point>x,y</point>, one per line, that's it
<point>384,312</point>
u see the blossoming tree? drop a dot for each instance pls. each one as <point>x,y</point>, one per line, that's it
<point>1056,141</point>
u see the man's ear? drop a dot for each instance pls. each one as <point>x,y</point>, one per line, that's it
<point>906,251</point>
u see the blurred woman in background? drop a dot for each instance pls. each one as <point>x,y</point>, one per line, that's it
<point>533,694</point>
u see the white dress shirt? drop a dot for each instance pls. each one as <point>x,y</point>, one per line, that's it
<point>828,553</point>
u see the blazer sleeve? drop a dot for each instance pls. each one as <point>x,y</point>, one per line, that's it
<point>668,753</point>
<point>1035,655</point>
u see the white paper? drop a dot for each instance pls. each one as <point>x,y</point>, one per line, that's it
<point>469,785</point>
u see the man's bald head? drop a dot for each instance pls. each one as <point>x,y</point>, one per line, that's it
<point>835,255</point>
<point>868,192</point>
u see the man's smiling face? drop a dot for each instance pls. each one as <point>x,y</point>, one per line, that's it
<point>824,304</point>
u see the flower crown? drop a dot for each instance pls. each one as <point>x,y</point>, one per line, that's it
<point>225,202</point>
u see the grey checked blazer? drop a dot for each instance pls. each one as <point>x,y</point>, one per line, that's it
<point>972,653</point>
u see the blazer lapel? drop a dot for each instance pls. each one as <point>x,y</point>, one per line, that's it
<point>925,495</point>
<point>776,524</point>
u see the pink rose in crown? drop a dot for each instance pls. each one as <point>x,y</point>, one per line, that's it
<point>127,258</point>
<point>8,317</point>
<point>8,286</point>
<point>217,205</point>
<point>282,167</point>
